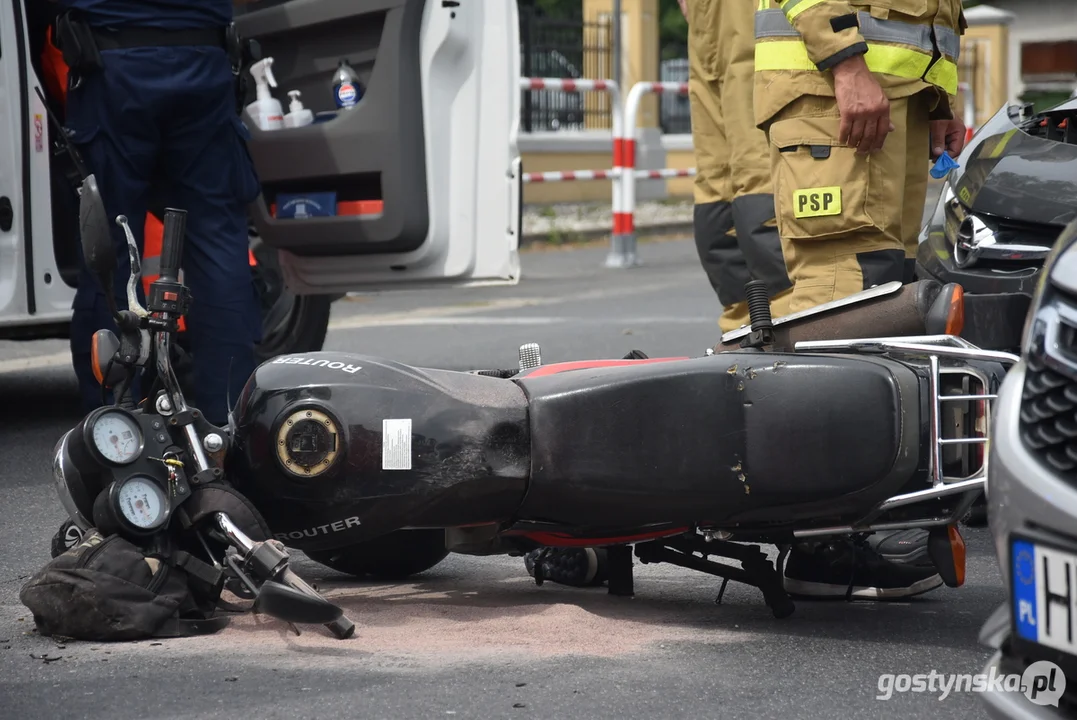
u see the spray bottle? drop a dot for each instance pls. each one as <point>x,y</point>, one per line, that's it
<point>298,115</point>
<point>266,110</point>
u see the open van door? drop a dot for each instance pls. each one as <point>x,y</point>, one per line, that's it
<point>15,247</point>
<point>424,170</point>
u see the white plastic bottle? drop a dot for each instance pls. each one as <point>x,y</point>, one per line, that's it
<point>266,110</point>
<point>298,116</point>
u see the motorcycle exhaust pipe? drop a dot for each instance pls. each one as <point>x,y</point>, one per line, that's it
<point>926,307</point>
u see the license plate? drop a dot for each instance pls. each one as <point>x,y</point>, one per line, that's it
<point>1044,594</point>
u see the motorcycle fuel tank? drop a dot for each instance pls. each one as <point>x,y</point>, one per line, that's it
<point>334,449</point>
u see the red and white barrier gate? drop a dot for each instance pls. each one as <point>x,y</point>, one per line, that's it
<point>623,248</point>
<point>617,126</point>
<point>623,174</point>
<point>969,114</point>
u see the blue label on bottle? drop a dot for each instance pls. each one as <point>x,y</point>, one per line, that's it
<point>346,95</point>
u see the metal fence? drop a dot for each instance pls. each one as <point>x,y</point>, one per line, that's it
<point>558,48</point>
<point>674,114</point>
<point>572,48</point>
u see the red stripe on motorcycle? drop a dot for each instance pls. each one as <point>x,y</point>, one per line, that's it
<point>586,364</point>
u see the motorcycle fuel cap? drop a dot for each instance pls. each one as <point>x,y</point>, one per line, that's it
<point>307,443</point>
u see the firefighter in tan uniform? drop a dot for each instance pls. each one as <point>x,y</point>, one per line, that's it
<point>866,207</point>
<point>735,229</point>
<point>854,97</point>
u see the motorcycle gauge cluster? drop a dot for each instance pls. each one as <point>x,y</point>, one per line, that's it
<point>136,504</point>
<point>114,436</point>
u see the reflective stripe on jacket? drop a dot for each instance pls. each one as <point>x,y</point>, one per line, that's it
<point>910,45</point>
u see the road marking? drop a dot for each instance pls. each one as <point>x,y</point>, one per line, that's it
<point>444,316</point>
<point>382,319</point>
<point>34,363</point>
<point>375,322</point>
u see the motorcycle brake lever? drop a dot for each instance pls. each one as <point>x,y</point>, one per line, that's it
<point>136,272</point>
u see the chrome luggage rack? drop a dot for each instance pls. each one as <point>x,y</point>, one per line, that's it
<point>944,354</point>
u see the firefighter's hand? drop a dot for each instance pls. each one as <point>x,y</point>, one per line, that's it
<point>862,104</point>
<point>684,8</point>
<point>947,136</point>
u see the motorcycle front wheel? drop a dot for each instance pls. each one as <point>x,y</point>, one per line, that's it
<point>395,556</point>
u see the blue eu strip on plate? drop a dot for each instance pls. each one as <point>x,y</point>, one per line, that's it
<point>1024,588</point>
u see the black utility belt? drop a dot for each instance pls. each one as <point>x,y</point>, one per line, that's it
<point>81,43</point>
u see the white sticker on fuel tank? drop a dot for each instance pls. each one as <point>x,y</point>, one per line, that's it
<point>396,444</point>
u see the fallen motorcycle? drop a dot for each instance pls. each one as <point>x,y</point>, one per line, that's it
<point>679,459</point>
<point>374,467</point>
<point>154,473</point>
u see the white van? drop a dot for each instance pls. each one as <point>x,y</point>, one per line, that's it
<point>425,169</point>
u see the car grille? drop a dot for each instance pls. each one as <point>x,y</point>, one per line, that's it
<point>1049,408</point>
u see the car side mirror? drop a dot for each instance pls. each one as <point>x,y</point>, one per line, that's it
<point>98,250</point>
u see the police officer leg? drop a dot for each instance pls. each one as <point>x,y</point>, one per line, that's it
<point>224,321</point>
<point>119,149</point>
<point>207,165</point>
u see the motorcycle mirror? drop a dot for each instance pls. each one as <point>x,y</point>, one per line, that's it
<point>103,349</point>
<point>291,605</point>
<point>95,230</point>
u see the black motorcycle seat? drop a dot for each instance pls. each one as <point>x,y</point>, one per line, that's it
<point>730,437</point>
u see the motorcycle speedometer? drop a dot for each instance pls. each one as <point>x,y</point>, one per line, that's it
<point>114,436</point>
<point>139,503</point>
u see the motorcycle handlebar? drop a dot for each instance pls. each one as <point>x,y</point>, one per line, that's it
<point>175,229</point>
<point>342,627</point>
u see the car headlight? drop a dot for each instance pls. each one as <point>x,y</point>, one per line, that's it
<point>1057,280</point>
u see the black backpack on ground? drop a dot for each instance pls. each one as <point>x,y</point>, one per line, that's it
<point>106,588</point>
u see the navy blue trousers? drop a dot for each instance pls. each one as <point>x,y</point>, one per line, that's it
<point>163,121</point>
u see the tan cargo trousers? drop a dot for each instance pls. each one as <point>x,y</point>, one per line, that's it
<point>735,229</point>
<point>848,221</point>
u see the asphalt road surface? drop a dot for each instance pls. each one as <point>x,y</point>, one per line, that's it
<point>474,637</point>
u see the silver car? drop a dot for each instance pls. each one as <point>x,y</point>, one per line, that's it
<point>1032,505</point>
